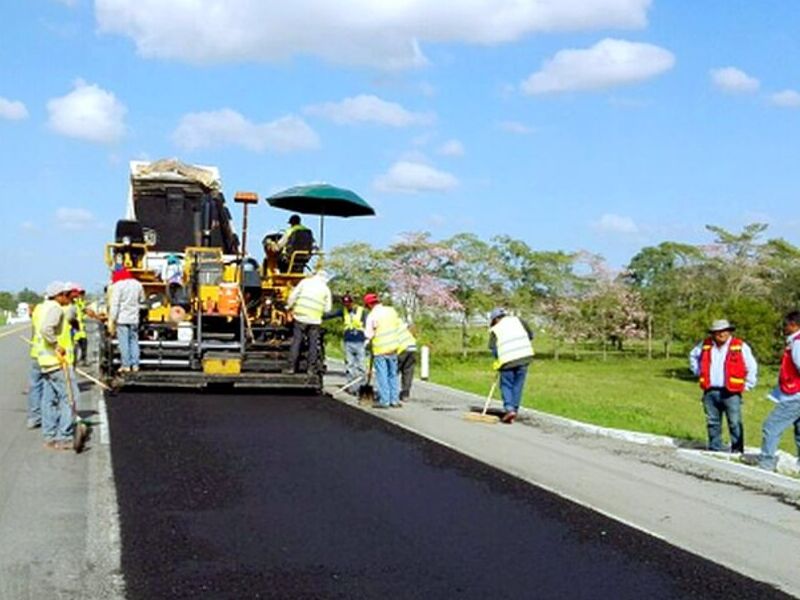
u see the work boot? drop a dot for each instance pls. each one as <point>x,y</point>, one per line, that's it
<point>509,417</point>
<point>33,424</point>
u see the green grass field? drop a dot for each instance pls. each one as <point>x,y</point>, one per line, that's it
<point>626,391</point>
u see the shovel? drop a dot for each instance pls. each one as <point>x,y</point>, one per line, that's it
<point>366,393</point>
<point>81,429</point>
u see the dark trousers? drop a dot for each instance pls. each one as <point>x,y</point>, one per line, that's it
<point>718,402</point>
<point>406,362</point>
<point>312,334</point>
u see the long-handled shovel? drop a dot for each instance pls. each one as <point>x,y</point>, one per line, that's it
<point>482,417</point>
<point>366,393</point>
<point>81,429</point>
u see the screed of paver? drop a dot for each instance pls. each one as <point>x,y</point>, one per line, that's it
<point>300,497</point>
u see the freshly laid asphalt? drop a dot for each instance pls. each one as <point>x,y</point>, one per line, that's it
<point>254,496</point>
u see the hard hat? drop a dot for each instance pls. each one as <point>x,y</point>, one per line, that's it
<point>371,298</point>
<point>74,287</point>
<point>54,288</point>
<point>496,314</point>
<point>347,299</point>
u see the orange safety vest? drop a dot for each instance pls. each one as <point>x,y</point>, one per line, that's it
<point>735,368</point>
<point>789,376</point>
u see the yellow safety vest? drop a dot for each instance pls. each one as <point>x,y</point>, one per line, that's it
<point>36,341</point>
<point>310,302</point>
<point>80,308</point>
<point>354,322</point>
<point>513,342</point>
<point>386,336</point>
<point>406,340</point>
<point>65,338</point>
<point>46,352</point>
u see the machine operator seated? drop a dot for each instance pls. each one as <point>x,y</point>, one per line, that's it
<point>292,248</point>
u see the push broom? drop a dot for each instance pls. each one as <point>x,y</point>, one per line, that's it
<point>482,417</point>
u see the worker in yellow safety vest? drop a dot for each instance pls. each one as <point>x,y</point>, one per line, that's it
<point>35,381</point>
<point>406,359</point>
<point>308,301</point>
<point>284,244</point>
<point>383,336</point>
<point>52,344</point>
<point>355,320</point>
<point>78,297</point>
<point>510,343</point>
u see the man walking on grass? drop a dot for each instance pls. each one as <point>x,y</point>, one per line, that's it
<point>725,368</point>
<point>786,395</point>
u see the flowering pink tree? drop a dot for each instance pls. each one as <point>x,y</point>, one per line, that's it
<point>417,268</point>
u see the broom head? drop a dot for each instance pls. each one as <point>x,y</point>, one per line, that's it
<point>477,417</point>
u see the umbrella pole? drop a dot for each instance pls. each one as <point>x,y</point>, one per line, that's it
<point>321,231</point>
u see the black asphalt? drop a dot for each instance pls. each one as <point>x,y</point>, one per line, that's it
<point>251,496</point>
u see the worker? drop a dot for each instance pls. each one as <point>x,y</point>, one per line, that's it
<point>171,273</point>
<point>308,301</point>
<point>786,395</point>
<point>510,343</point>
<point>725,367</point>
<point>78,299</point>
<point>355,319</point>
<point>406,359</point>
<point>296,237</point>
<point>35,381</point>
<point>51,344</point>
<point>127,298</point>
<point>382,334</point>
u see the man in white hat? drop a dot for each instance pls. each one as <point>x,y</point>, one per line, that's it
<point>725,367</point>
<point>308,301</point>
<point>52,345</point>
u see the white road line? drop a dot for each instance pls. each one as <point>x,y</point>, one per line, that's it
<point>105,435</point>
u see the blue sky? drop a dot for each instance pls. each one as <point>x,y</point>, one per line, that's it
<point>604,125</point>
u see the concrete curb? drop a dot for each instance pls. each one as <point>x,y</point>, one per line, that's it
<point>784,479</point>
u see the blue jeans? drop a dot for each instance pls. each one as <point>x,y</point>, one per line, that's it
<point>35,389</point>
<point>354,362</point>
<point>56,409</point>
<point>128,338</point>
<point>717,402</point>
<point>512,382</point>
<point>386,379</point>
<point>784,414</point>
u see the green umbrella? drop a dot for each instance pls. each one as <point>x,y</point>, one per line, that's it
<point>323,200</point>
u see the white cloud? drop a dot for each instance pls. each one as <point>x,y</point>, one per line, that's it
<point>13,110</point>
<point>609,63</point>
<point>515,127</point>
<point>610,223</point>
<point>733,80</point>
<point>357,32</point>
<point>413,177</point>
<point>75,219</point>
<point>368,109</point>
<point>451,148</point>
<point>786,99</point>
<point>88,113</point>
<point>227,127</point>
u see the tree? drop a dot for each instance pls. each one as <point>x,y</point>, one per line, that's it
<point>357,267</point>
<point>29,297</point>
<point>417,274</point>
<point>473,278</point>
<point>7,301</point>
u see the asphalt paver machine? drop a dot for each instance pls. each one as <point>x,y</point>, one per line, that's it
<point>214,315</point>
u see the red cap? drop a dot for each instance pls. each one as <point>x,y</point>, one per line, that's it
<point>371,299</point>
